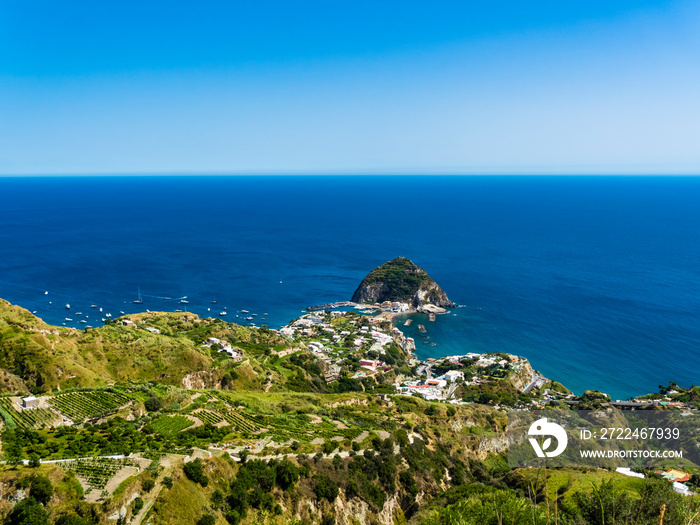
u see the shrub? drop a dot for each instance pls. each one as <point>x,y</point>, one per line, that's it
<point>206,519</point>
<point>148,485</point>
<point>72,519</point>
<point>41,489</point>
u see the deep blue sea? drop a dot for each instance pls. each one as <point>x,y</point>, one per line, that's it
<point>595,279</point>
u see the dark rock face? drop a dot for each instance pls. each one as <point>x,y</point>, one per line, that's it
<point>401,280</point>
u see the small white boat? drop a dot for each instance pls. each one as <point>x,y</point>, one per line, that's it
<point>100,309</point>
<point>67,307</point>
<point>83,321</point>
<point>46,293</point>
<point>68,319</point>
<point>208,309</point>
<point>248,318</point>
<point>121,312</point>
<point>78,313</point>
<point>280,282</point>
<point>93,306</point>
<point>108,315</point>
<point>223,312</point>
<point>50,302</point>
<point>103,319</point>
<point>244,311</point>
<point>254,315</point>
<point>34,312</point>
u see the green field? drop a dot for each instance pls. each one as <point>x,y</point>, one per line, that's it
<point>169,425</point>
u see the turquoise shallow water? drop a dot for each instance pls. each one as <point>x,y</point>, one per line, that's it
<point>595,280</point>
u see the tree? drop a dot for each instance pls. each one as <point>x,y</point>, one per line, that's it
<point>325,487</point>
<point>34,460</point>
<point>328,447</point>
<point>194,470</point>
<point>13,450</point>
<point>27,512</point>
<point>148,485</point>
<point>287,474</point>
<point>41,489</point>
<point>152,404</point>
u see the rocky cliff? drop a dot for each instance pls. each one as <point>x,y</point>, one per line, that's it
<point>401,280</point>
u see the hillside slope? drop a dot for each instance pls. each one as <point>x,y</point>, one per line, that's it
<point>39,357</point>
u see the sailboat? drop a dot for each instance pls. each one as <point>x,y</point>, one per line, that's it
<point>140,299</point>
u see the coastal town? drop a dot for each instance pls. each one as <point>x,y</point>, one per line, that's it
<point>361,341</point>
<point>353,339</point>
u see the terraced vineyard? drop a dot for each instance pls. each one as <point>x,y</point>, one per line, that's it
<point>89,404</point>
<point>169,425</point>
<point>29,418</point>
<point>239,422</point>
<point>96,472</point>
<point>208,416</point>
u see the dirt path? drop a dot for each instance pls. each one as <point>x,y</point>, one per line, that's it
<point>149,499</point>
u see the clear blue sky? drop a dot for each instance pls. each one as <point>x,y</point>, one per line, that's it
<point>155,86</point>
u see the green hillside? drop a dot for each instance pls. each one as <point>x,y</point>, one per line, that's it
<point>155,428</point>
<point>45,357</point>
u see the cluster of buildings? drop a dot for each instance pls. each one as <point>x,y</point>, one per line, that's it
<point>439,388</point>
<point>330,341</point>
<point>224,347</point>
<point>129,323</point>
<point>442,387</point>
<point>395,307</point>
<point>678,479</point>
